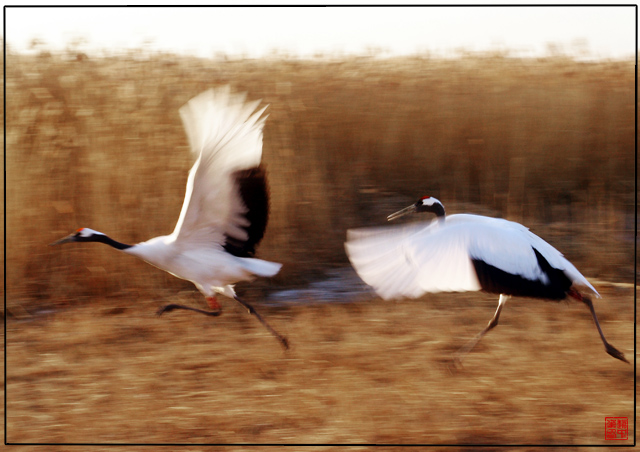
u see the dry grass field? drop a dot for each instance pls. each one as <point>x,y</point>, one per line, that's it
<point>98,142</point>
<point>362,372</point>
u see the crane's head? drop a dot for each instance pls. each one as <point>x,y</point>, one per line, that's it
<point>81,235</point>
<point>424,204</point>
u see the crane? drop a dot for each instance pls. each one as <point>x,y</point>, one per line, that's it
<point>466,252</point>
<point>225,209</point>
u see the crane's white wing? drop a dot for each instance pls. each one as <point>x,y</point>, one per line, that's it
<point>377,256</point>
<point>390,260</point>
<point>408,261</point>
<point>509,246</point>
<point>225,135</point>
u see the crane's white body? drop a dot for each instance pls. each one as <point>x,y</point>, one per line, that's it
<point>225,135</point>
<point>210,267</point>
<point>413,259</point>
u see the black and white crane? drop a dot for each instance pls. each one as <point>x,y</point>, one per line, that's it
<point>465,252</point>
<point>225,209</point>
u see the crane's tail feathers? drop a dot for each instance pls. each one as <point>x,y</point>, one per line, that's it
<point>261,267</point>
<point>585,287</point>
<point>578,280</point>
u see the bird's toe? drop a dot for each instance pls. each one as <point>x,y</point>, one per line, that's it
<point>615,353</point>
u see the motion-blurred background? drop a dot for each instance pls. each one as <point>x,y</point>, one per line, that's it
<point>93,139</point>
<point>98,143</point>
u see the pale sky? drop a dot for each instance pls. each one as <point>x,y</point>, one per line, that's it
<point>603,32</point>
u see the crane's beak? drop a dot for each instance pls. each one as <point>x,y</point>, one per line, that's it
<point>67,239</point>
<point>400,213</point>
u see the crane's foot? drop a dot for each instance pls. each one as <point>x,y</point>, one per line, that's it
<point>454,364</point>
<point>284,341</point>
<point>610,349</point>
<point>171,307</point>
<point>617,354</point>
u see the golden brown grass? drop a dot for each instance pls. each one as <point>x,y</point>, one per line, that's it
<point>365,372</point>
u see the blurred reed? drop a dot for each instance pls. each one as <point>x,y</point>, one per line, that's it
<point>99,143</point>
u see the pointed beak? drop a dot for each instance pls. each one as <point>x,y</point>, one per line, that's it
<point>67,239</point>
<point>400,213</point>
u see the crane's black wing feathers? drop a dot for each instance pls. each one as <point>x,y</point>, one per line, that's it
<point>252,185</point>
<point>494,280</point>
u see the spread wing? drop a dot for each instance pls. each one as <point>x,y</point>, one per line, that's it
<point>464,253</point>
<point>252,186</point>
<point>393,261</point>
<point>226,201</point>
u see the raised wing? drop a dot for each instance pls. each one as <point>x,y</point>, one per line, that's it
<point>225,135</point>
<point>252,187</point>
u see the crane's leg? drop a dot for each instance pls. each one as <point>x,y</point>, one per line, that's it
<point>171,307</point>
<point>283,340</point>
<point>460,354</point>
<point>213,304</point>
<point>607,346</point>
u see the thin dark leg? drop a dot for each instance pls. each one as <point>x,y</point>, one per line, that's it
<point>460,354</point>
<point>171,307</point>
<point>607,346</point>
<point>283,340</point>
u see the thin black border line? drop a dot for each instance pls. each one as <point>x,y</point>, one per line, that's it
<point>4,24</point>
<point>346,5</point>
<point>4,181</point>
<point>635,252</point>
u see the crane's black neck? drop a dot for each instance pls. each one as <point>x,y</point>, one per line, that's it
<point>107,241</point>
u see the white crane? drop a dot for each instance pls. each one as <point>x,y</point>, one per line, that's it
<point>225,209</point>
<point>465,252</point>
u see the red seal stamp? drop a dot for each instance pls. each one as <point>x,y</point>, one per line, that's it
<point>616,428</point>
